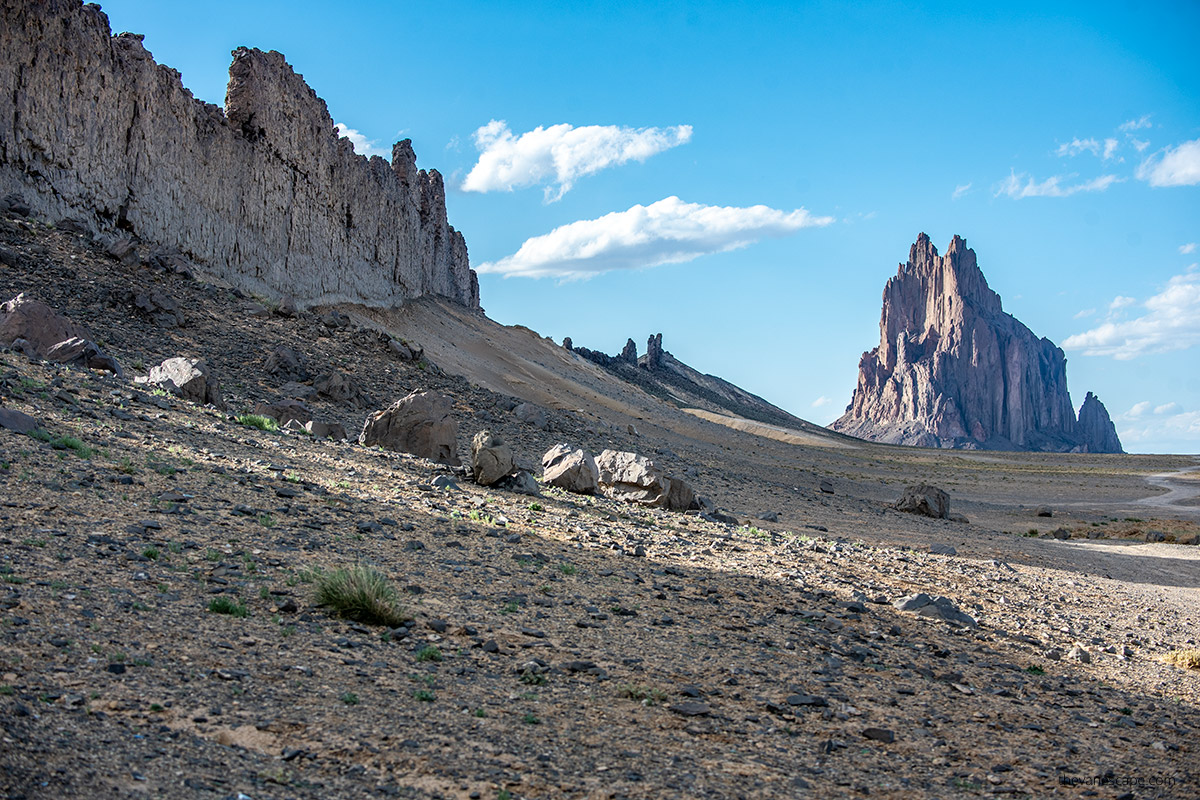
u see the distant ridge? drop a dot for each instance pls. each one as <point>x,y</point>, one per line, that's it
<point>952,369</point>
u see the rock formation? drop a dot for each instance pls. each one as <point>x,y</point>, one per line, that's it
<point>264,194</point>
<point>1096,429</point>
<point>952,369</point>
<point>419,424</point>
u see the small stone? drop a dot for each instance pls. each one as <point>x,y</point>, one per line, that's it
<point>880,735</point>
<point>691,709</point>
<point>943,550</point>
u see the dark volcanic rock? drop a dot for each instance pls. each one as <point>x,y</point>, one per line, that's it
<point>952,369</point>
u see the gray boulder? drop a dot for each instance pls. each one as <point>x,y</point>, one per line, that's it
<point>491,458</point>
<point>326,430</point>
<point>521,482</point>
<point>419,424</point>
<point>340,388</point>
<point>573,470</point>
<point>17,421</point>
<point>635,479</point>
<point>935,607</point>
<point>926,500</point>
<point>187,378</point>
<point>533,415</point>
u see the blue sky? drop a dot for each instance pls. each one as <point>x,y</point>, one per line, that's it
<point>779,159</point>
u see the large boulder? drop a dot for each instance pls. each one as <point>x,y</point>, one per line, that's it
<point>187,378</point>
<point>926,500</point>
<point>419,424</point>
<point>36,329</point>
<point>491,458</point>
<point>573,470</point>
<point>636,479</point>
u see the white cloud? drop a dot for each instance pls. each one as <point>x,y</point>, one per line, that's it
<point>1171,322</point>
<point>559,155</point>
<point>1138,410</point>
<point>1166,408</point>
<point>959,191</point>
<point>1173,166</point>
<point>1022,185</point>
<point>667,232</point>
<point>1184,249</point>
<point>1138,144</point>
<point>1077,146</point>
<point>1135,124</point>
<point>362,145</point>
<point>1173,432</point>
<point>1087,312</point>
<point>1120,302</point>
<point>821,401</point>
<point>1110,149</point>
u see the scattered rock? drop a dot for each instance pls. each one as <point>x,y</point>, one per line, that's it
<point>491,458</point>
<point>419,424</point>
<point>826,487</point>
<point>1155,536</point>
<point>926,500</point>
<point>879,735</point>
<point>326,430</point>
<point>943,550</point>
<point>1078,653</point>
<point>1043,511</point>
<point>187,378</point>
<point>769,516</point>
<point>1061,533</point>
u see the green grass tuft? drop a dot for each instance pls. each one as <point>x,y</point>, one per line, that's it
<point>224,605</point>
<point>360,593</point>
<point>258,421</point>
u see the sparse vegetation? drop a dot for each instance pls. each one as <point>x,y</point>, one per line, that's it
<point>429,652</point>
<point>259,421</point>
<point>360,593</point>
<point>1184,659</point>
<point>226,605</point>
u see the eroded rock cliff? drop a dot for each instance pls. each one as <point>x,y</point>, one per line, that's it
<point>262,194</point>
<point>952,369</point>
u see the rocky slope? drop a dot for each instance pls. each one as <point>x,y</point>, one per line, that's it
<point>952,369</point>
<point>94,135</point>
<point>556,647</point>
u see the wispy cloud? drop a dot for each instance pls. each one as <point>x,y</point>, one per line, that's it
<point>1020,185</point>
<point>1135,124</point>
<point>561,154</point>
<point>1087,312</point>
<point>667,232</point>
<point>821,401</point>
<point>1184,249</point>
<point>362,145</point>
<point>959,191</point>
<point>1171,322</point>
<point>1166,423</point>
<point>1077,146</point>
<point>1110,149</point>
<point>1173,166</point>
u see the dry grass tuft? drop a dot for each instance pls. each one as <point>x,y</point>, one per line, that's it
<point>1184,659</point>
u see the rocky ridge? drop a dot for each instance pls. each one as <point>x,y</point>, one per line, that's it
<point>952,369</point>
<point>95,136</point>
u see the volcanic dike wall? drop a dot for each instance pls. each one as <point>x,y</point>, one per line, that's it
<point>264,193</point>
